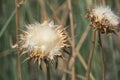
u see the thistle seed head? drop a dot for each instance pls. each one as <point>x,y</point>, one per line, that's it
<point>43,41</point>
<point>103,19</point>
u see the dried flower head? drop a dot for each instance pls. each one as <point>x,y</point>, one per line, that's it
<point>43,42</point>
<point>104,20</point>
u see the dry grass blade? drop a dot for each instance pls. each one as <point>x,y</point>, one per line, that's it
<point>104,2</point>
<point>84,65</point>
<point>72,35</point>
<point>7,52</point>
<point>77,75</point>
<point>95,2</point>
<point>55,12</point>
<point>43,10</point>
<point>78,47</point>
<point>91,55</point>
<point>117,4</point>
<point>83,37</point>
<point>7,22</point>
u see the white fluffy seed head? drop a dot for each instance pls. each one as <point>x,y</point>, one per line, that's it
<point>103,19</point>
<point>105,12</point>
<point>43,40</point>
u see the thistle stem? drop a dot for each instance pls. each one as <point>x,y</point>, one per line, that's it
<point>48,71</point>
<point>17,26</point>
<point>102,56</point>
<point>91,55</point>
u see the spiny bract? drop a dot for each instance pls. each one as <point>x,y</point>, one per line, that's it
<point>43,41</point>
<point>103,19</point>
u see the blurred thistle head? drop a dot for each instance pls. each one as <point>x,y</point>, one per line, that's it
<point>103,19</point>
<point>43,42</point>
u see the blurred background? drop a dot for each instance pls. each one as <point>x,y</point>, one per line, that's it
<point>71,14</point>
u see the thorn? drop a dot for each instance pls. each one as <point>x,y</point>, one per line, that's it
<point>67,51</point>
<point>41,67</point>
<point>35,60</point>
<point>14,46</point>
<point>39,61</point>
<point>27,59</point>
<point>56,62</point>
<point>105,30</point>
<point>25,32</point>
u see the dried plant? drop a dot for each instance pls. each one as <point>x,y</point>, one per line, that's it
<point>104,21</point>
<point>68,13</point>
<point>44,42</point>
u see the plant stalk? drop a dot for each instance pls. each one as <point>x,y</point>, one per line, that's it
<point>102,56</point>
<point>17,26</point>
<point>48,71</point>
<point>91,55</point>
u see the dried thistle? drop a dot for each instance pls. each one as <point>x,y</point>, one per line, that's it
<point>43,42</point>
<point>104,20</point>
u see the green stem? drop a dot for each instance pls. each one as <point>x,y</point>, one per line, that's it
<point>7,22</point>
